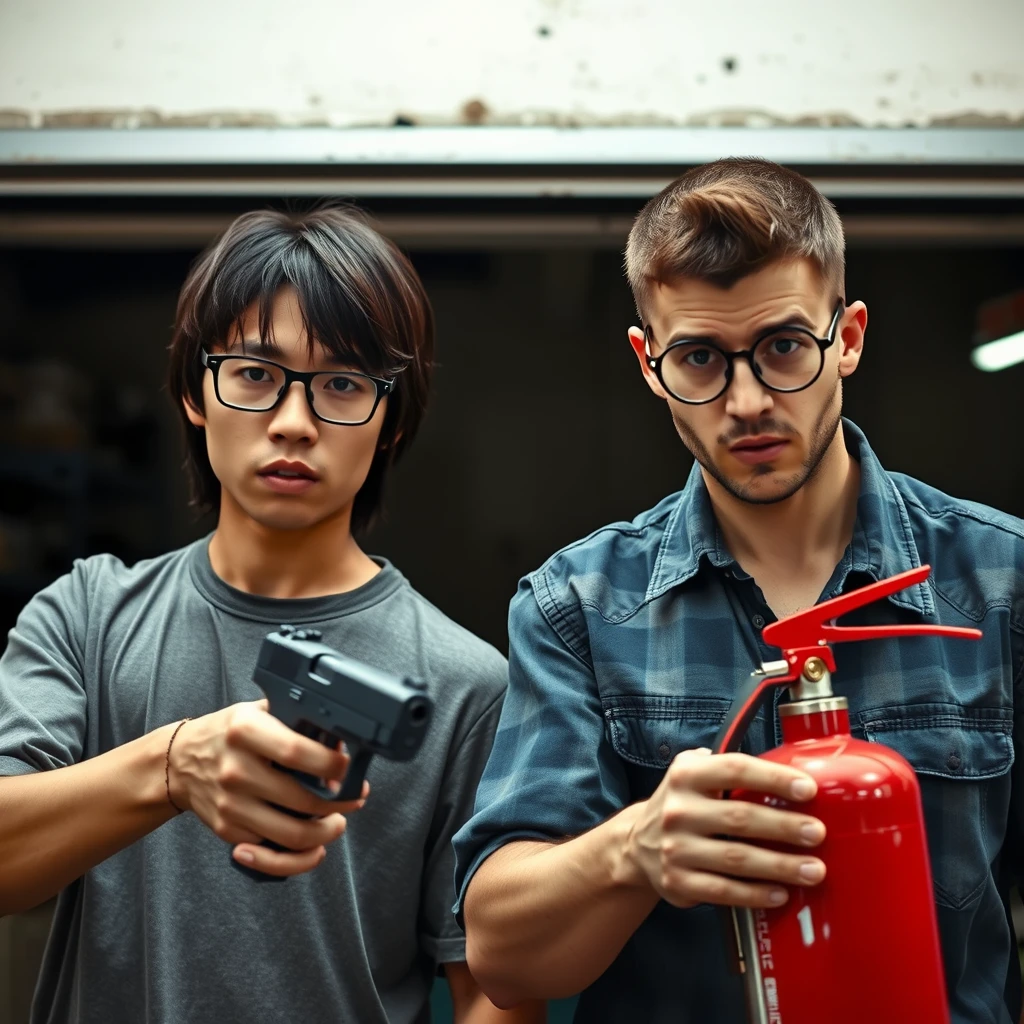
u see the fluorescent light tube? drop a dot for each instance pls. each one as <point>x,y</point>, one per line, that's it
<point>999,354</point>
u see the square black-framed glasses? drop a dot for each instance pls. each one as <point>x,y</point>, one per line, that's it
<point>382,385</point>
<point>729,358</point>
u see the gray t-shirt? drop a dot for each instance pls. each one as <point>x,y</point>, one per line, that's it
<point>166,930</point>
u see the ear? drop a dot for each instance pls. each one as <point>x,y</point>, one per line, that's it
<point>852,327</point>
<point>195,417</point>
<point>638,343</point>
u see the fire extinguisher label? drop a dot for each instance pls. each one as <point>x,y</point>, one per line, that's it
<point>771,998</point>
<point>767,964</point>
<point>764,941</point>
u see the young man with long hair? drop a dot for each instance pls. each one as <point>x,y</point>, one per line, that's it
<point>139,757</point>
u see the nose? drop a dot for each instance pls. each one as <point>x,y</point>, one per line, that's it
<point>747,398</point>
<point>293,419</point>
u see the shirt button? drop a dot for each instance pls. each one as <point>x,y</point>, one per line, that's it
<point>758,621</point>
<point>664,751</point>
<point>953,762</point>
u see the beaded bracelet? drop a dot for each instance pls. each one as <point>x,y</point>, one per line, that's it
<point>167,766</point>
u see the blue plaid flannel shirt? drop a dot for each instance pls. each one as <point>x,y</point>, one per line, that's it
<point>626,648</point>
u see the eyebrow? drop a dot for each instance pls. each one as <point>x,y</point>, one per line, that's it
<point>794,319</point>
<point>248,345</point>
<point>271,350</point>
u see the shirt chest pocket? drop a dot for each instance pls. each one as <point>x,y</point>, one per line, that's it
<point>962,757</point>
<point>648,731</point>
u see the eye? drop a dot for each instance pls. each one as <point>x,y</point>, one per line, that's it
<point>342,385</point>
<point>698,357</point>
<point>785,344</point>
<point>255,374</point>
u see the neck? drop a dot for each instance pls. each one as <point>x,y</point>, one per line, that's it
<point>311,562</point>
<point>810,527</point>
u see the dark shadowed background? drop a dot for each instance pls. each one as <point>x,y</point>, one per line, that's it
<point>541,428</point>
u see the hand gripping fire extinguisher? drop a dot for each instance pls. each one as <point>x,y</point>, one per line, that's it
<point>863,945</point>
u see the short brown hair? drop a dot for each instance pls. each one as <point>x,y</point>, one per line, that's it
<point>727,219</point>
<point>360,298</point>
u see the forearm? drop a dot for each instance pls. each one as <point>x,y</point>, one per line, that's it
<point>543,921</point>
<point>56,825</point>
<point>471,1006</point>
<point>483,1011</point>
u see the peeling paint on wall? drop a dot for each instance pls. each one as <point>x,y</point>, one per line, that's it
<point>473,113</point>
<point>118,63</point>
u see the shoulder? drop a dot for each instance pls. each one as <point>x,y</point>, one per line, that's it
<point>936,505</point>
<point>976,552</point>
<point>621,556</point>
<point>466,676</point>
<point>100,583</point>
<point>79,613</point>
<point>456,657</point>
<point>935,515</point>
<point>610,569</point>
<point>608,572</point>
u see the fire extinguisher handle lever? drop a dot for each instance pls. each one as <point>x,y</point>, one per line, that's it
<point>807,634</point>
<point>815,626</point>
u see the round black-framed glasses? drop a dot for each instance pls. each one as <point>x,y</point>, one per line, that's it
<point>346,398</point>
<point>785,359</point>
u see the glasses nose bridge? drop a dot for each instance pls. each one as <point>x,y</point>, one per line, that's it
<point>292,377</point>
<point>752,396</point>
<point>747,356</point>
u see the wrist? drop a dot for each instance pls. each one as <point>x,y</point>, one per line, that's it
<point>175,792</point>
<point>625,868</point>
<point>143,769</point>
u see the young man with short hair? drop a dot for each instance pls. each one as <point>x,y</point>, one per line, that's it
<point>627,647</point>
<point>301,361</point>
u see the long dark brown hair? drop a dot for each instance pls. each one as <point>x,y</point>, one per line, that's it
<point>360,298</point>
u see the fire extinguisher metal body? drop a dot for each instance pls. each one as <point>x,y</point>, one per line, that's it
<point>861,946</point>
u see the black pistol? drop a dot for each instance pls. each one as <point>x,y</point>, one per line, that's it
<point>322,694</point>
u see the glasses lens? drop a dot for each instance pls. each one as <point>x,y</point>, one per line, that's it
<point>787,360</point>
<point>254,385</point>
<point>344,397</point>
<point>248,383</point>
<point>693,371</point>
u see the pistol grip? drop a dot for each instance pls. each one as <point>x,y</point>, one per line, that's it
<point>261,876</point>
<point>352,784</point>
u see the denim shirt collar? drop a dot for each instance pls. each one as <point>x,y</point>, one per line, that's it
<point>882,544</point>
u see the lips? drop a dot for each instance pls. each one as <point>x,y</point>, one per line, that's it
<point>284,477</point>
<point>761,441</point>
<point>289,470</point>
<point>753,450</point>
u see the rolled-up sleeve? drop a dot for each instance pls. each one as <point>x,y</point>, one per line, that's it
<point>552,773</point>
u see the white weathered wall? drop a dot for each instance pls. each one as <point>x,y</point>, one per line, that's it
<point>359,62</point>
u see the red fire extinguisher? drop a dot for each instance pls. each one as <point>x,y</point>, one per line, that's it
<point>863,945</point>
